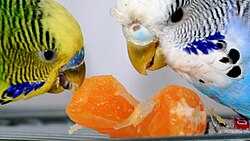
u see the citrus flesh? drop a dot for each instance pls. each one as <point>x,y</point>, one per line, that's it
<point>103,104</point>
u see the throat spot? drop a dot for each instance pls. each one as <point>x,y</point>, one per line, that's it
<point>234,55</point>
<point>234,72</point>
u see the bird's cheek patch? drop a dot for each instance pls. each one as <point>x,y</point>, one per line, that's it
<point>14,91</point>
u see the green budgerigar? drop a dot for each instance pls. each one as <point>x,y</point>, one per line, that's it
<point>41,49</point>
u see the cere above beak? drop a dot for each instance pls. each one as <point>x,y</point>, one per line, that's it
<point>72,75</point>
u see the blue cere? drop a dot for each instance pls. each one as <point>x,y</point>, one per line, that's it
<point>142,36</point>
<point>76,60</point>
<point>24,88</point>
<point>204,45</point>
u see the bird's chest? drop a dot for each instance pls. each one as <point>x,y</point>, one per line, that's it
<point>219,68</point>
<point>222,74</point>
<point>227,82</point>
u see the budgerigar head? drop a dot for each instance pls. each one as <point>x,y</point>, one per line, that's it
<point>67,64</point>
<point>155,27</point>
<point>43,51</point>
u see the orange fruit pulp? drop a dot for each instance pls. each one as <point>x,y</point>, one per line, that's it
<point>100,103</point>
<point>174,111</point>
<point>103,104</point>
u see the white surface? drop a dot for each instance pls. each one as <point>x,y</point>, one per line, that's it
<point>106,53</point>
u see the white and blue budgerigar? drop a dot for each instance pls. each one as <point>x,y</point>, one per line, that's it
<point>206,41</point>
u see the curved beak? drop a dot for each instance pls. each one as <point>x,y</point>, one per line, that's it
<point>75,75</point>
<point>70,76</point>
<point>69,79</point>
<point>146,57</point>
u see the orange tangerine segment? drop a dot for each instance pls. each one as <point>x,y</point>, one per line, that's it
<point>100,103</point>
<point>174,111</point>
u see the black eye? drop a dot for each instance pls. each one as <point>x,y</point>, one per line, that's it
<point>177,15</point>
<point>48,55</point>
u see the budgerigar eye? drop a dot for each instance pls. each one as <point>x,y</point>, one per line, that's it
<point>138,34</point>
<point>177,15</point>
<point>48,55</point>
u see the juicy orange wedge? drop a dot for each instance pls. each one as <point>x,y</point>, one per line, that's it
<point>103,104</point>
<point>174,111</point>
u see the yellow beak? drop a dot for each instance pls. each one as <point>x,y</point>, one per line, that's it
<point>146,57</point>
<point>70,78</point>
<point>76,75</point>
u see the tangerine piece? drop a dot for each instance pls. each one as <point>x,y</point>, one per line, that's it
<point>174,111</point>
<point>103,104</point>
<point>100,103</point>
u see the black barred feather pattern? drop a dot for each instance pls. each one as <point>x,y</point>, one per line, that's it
<point>22,36</point>
<point>22,21</point>
<point>206,17</point>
